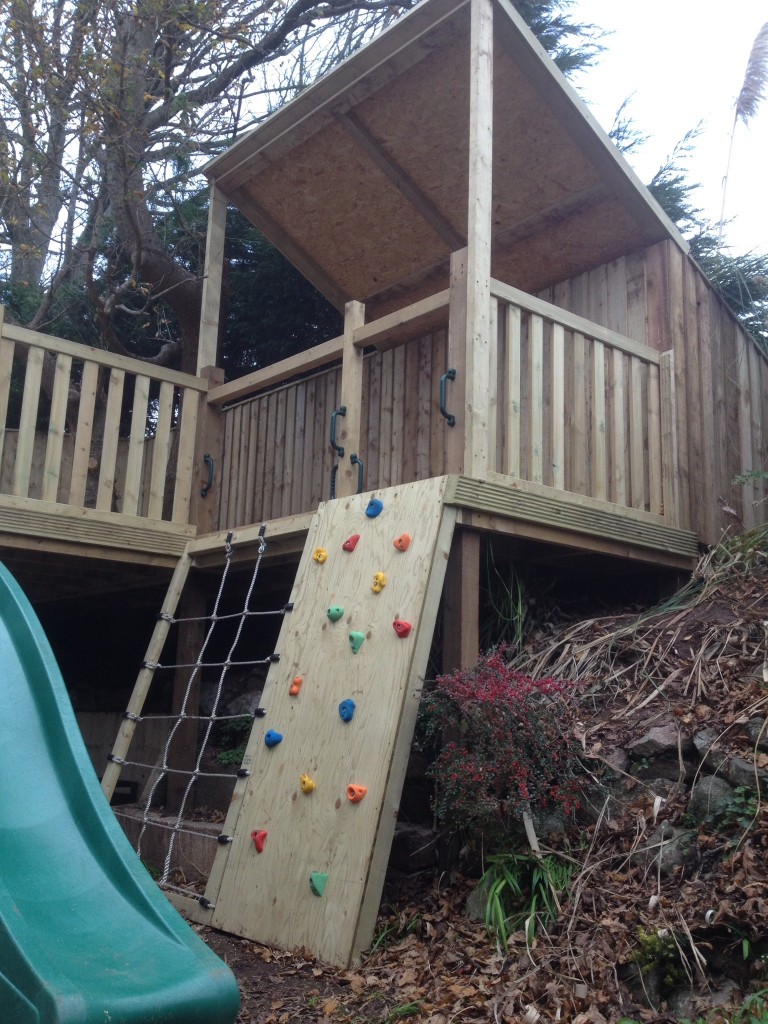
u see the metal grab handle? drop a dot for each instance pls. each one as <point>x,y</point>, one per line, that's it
<point>448,375</point>
<point>341,411</point>
<point>207,486</point>
<point>357,461</point>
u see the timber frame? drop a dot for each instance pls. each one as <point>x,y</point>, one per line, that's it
<point>520,317</point>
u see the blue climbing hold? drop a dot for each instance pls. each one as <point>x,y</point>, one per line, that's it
<point>375,505</point>
<point>272,738</point>
<point>347,710</point>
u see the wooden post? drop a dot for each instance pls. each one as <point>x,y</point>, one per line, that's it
<point>461,603</point>
<point>207,348</point>
<point>183,754</point>
<point>669,446</point>
<point>349,425</point>
<point>203,510</point>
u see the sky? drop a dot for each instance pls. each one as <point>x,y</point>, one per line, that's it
<point>682,62</point>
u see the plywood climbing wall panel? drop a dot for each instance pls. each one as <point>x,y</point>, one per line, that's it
<point>317,881</point>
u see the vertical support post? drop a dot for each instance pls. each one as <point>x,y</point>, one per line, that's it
<point>203,510</point>
<point>208,343</point>
<point>479,222</point>
<point>461,603</point>
<point>190,640</point>
<point>352,398</point>
<point>669,446</point>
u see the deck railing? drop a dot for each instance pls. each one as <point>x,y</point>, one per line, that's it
<point>87,428</point>
<point>578,408</point>
<point>582,408</point>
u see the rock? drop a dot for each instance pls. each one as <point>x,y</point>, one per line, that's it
<point>666,849</point>
<point>661,741</point>
<point>740,772</point>
<point>414,847</point>
<point>757,730</point>
<point>474,908</point>
<point>710,798</point>
<point>707,746</point>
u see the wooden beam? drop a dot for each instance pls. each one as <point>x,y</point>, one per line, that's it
<point>479,225</point>
<point>352,399</point>
<point>208,342</point>
<point>303,262</point>
<point>402,182</point>
<point>461,603</point>
<point>411,321</point>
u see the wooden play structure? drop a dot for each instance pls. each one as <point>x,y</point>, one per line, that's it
<point>528,351</point>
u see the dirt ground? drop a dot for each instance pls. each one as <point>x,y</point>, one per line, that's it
<point>701,662</point>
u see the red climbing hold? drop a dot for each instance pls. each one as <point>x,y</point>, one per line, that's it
<point>402,628</point>
<point>259,838</point>
<point>351,542</point>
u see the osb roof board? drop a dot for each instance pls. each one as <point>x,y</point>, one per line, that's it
<point>362,180</point>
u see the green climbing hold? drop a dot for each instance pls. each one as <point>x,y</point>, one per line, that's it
<point>335,612</point>
<point>317,882</point>
<point>356,641</point>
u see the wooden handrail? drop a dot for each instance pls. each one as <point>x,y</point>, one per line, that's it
<point>573,322</point>
<point>24,336</point>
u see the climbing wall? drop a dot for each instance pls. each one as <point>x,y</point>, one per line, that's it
<point>312,826</point>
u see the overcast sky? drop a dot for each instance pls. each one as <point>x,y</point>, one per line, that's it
<point>683,62</point>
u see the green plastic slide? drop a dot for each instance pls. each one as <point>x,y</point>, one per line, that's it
<point>85,934</point>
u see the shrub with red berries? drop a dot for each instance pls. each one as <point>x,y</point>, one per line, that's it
<point>506,747</point>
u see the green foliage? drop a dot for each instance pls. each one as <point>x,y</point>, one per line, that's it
<point>506,747</point>
<point>658,951</point>
<point>232,737</point>
<point>522,893</point>
<point>573,45</point>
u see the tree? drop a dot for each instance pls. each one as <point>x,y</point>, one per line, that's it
<point>106,111</point>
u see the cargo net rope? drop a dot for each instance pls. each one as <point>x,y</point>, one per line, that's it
<point>162,769</point>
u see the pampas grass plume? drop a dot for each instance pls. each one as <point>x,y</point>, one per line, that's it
<point>755,78</point>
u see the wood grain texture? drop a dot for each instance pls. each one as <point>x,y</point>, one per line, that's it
<point>267,896</point>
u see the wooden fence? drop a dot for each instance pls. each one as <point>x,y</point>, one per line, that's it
<point>86,428</point>
<point>582,408</point>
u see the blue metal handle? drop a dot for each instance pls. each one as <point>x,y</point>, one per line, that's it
<point>357,461</point>
<point>207,486</point>
<point>448,375</point>
<point>341,411</point>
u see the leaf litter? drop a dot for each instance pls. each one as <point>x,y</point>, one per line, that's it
<point>701,660</point>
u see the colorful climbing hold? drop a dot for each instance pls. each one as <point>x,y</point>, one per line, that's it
<point>320,555</point>
<point>347,710</point>
<point>351,542</point>
<point>356,793</point>
<point>356,641</point>
<point>317,882</point>
<point>335,612</point>
<point>259,837</point>
<point>402,628</point>
<point>272,738</point>
<point>307,784</point>
<point>295,685</point>
<point>402,542</point>
<point>375,506</point>
<point>379,582</point>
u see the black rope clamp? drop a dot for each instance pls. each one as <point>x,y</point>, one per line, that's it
<point>259,712</point>
<point>222,840</point>
<point>115,759</point>
<point>130,717</point>
<point>204,903</point>
<point>274,657</point>
<point>165,617</point>
<point>243,773</point>
<point>288,607</point>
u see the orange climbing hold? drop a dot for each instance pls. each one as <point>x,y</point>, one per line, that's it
<point>356,793</point>
<point>296,685</point>
<point>259,838</point>
<point>402,542</point>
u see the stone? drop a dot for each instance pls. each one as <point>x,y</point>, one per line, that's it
<point>414,847</point>
<point>740,772</point>
<point>757,730</point>
<point>661,741</point>
<point>666,849</point>
<point>710,798</point>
